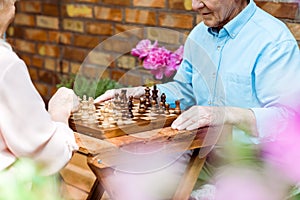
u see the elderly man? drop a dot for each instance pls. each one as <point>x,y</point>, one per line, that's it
<point>240,67</point>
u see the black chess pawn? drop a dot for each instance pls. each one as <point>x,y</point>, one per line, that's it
<point>163,99</point>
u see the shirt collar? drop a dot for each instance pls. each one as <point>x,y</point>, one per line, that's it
<point>233,27</point>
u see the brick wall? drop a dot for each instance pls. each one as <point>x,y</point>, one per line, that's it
<point>55,36</point>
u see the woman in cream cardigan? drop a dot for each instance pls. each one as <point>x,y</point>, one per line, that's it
<point>27,129</point>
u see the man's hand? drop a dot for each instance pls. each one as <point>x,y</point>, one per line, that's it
<point>199,116</point>
<point>109,94</point>
<point>202,116</point>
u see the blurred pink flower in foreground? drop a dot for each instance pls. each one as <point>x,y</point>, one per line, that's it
<point>284,152</point>
<point>160,61</point>
<point>241,183</point>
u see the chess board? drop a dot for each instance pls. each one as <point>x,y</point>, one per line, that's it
<point>107,120</point>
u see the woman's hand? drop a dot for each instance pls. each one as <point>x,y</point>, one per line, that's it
<point>63,102</point>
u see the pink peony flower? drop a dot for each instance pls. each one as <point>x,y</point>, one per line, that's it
<point>156,58</point>
<point>160,61</point>
<point>143,48</point>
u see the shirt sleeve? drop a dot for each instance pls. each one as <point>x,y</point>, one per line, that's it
<point>181,88</point>
<point>276,74</point>
<point>26,126</point>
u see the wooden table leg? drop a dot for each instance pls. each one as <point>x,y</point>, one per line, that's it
<point>190,177</point>
<point>96,192</point>
<point>101,172</point>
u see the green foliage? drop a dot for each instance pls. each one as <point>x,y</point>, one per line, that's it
<point>24,181</point>
<point>87,86</point>
<point>66,81</point>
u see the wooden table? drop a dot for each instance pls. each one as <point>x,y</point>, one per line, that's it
<point>201,141</point>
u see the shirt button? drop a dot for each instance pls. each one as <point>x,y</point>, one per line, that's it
<point>218,47</point>
<point>209,102</point>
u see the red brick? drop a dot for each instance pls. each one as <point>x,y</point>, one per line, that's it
<point>48,50</point>
<point>104,74</point>
<point>176,20</point>
<point>50,9</point>
<point>86,41</point>
<point>105,13</point>
<point>73,25</point>
<point>88,1</point>
<point>75,67</point>
<point>79,10</point>
<point>128,31</point>
<point>117,45</point>
<point>47,77</point>
<point>60,37</point>
<point>33,74</point>
<point>25,46</point>
<point>164,35</point>
<point>117,76</point>
<point>41,88</point>
<point>100,58</point>
<point>295,29</point>
<point>30,6</point>
<point>26,59</point>
<point>75,54</point>
<point>99,28</point>
<point>280,9</point>
<point>177,4</point>
<point>24,19</point>
<point>133,79</point>
<point>35,34</point>
<point>37,61</point>
<point>117,2</point>
<point>90,71</point>
<point>140,16</point>
<point>47,22</point>
<point>149,3</point>
<point>65,67</point>
<point>126,62</point>
<point>51,64</point>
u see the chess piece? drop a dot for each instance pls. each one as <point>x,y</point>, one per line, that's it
<point>177,109</point>
<point>153,106</point>
<point>167,111</point>
<point>123,96</point>
<point>91,110</point>
<point>130,106</point>
<point>142,106</point>
<point>154,94</point>
<point>84,109</point>
<point>163,99</point>
<point>147,98</point>
<point>116,99</point>
<point>161,109</point>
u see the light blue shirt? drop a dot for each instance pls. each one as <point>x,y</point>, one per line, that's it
<point>252,62</point>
